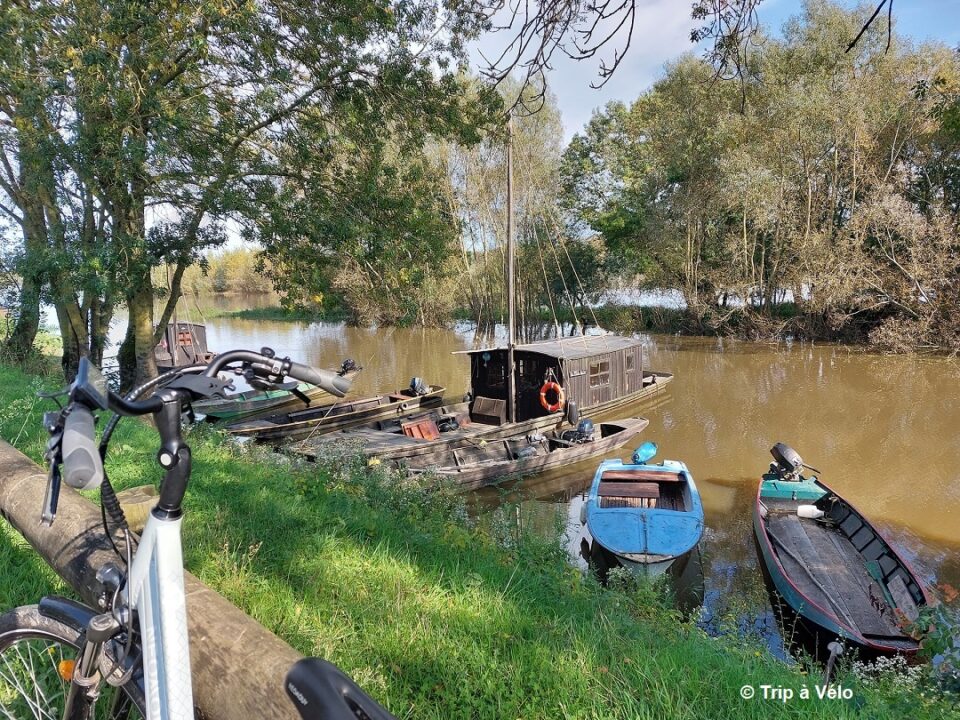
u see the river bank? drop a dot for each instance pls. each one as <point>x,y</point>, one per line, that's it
<point>436,615</point>
<point>783,322</point>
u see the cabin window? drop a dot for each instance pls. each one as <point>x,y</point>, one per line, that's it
<point>496,376</point>
<point>600,373</point>
<point>629,365</point>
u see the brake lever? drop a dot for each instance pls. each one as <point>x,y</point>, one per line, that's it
<point>53,422</point>
<point>52,496</point>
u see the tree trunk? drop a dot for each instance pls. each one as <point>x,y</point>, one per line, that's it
<point>137,360</point>
<point>20,342</point>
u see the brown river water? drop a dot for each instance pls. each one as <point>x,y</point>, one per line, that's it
<point>884,432</point>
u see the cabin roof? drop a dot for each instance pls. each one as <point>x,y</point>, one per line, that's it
<point>571,348</point>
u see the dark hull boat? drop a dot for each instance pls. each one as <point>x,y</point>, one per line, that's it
<point>481,464</point>
<point>646,516</point>
<point>269,398</point>
<point>337,415</point>
<point>830,566</point>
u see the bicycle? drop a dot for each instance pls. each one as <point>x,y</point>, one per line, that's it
<point>63,660</point>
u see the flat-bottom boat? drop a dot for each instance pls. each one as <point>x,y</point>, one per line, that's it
<point>328,417</point>
<point>482,463</point>
<point>830,566</point>
<point>247,404</point>
<point>645,515</point>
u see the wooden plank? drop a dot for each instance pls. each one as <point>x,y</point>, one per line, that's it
<point>641,476</point>
<point>621,489</point>
<point>903,598</point>
<point>421,429</point>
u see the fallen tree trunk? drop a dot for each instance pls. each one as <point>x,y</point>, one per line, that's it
<point>238,665</point>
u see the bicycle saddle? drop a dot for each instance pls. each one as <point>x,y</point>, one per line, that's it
<point>321,691</point>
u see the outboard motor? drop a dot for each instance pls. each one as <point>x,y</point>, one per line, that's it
<point>583,433</point>
<point>418,386</point>
<point>346,366</point>
<point>788,460</point>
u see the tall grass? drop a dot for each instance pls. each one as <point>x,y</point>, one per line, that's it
<point>436,615</point>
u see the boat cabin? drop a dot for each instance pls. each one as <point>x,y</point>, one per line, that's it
<point>595,372</point>
<point>183,344</point>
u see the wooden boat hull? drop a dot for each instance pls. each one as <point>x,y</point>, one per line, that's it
<point>394,446</point>
<point>496,460</point>
<point>821,570</point>
<point>248,404</point>
<point>647,516</point>
<point>335,416</point>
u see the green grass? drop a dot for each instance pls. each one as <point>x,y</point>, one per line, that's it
<point>436,615</point>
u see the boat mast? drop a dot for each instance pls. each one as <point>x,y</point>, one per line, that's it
<point>511,293</point>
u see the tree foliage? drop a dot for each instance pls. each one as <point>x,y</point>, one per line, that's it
<point>828,178</point>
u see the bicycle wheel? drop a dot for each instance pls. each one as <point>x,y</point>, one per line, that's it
<point>35,653</point>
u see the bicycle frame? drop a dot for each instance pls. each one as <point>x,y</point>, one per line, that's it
<point>156,589</point>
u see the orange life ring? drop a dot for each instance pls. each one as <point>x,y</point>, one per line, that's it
<point>547,387</point>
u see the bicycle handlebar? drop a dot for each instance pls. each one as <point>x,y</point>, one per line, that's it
<point>82,467</point>
<point>331,382</point>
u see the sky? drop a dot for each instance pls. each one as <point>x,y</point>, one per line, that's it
<point>662,33</point>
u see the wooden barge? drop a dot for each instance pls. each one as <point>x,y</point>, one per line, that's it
<point>598,374</point>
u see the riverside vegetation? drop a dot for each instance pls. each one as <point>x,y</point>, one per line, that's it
<point>435,614</point>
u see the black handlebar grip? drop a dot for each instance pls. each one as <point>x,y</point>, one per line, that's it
<point>82,466</point>
<point>321,691</point>
<point>329,381</point>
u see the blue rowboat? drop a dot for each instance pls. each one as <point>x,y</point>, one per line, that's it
<point>831,567</point>
<point>645,515</point>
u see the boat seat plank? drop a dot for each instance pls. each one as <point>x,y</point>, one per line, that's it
<point>622,489</point>
<point>640,476</point>
<point>903,599</point>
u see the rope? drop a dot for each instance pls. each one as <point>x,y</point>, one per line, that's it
<point>546,286</point>
<point>576,275</point>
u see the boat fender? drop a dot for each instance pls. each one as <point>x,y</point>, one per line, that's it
<point>551,386</point>
<point>573,413</point>
<point>583,514</point>
<point>809,511</point>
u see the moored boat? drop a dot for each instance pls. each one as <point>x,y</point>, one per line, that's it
<point>646,516</point>
<point>595,374</point>
<point>338,415</point>
<point>830,566</point>
<point>248,404</point>
<point>484,463</point>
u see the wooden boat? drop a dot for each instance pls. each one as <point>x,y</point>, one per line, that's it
<point>250,403</point>
<point>483,463</point>
<point>830,565</point>
<point>337,415</point>
<point>598,374</point>
<point>646,516</point>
